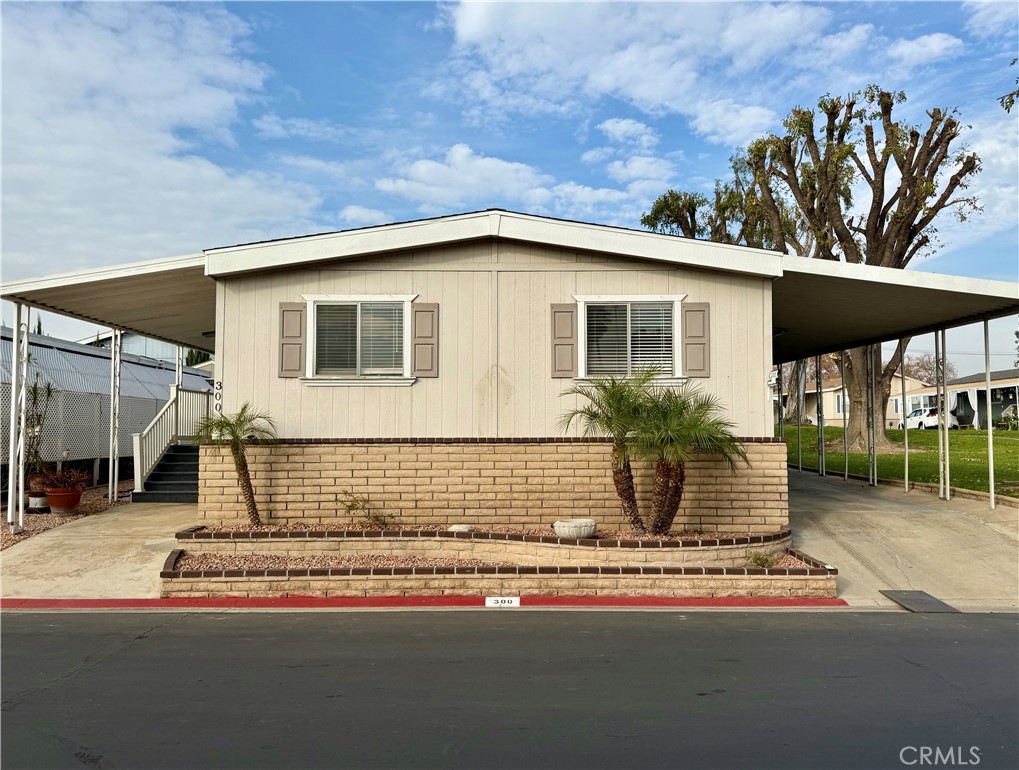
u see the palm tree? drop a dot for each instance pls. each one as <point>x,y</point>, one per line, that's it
<point>674,425</point>
<point>237,431</point>
<point>614,406</point>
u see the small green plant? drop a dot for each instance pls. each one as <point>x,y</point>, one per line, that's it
<point>759,559</point>
<point>356,505</point>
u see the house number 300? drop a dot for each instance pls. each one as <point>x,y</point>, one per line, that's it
<point>217,395</point>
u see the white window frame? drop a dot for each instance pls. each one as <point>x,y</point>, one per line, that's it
<point>583,300</point>
<point>314,300</point>
<point>840,404</point>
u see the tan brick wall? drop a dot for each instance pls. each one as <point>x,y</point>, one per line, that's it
<point>493,551</point>
<point>507,585</point>
<point>497,484</point>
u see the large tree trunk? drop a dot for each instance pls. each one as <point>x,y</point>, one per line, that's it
<point>798,384</point>
<point>856,391</point>
<point>622,477</point>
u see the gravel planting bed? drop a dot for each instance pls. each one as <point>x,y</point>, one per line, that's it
<point>92,501</point>
<point>601,534</point>
<point>211,561</point>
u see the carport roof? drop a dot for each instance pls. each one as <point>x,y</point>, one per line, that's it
<point>817,306</point>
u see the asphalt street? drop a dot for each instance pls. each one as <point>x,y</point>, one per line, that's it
<point>509,689</point>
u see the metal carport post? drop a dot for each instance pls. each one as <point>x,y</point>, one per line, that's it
<point>16,455</point>
<point>114,480</point>
<point>990,416</point>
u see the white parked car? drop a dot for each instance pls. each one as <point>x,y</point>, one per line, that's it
<point>927,419</point>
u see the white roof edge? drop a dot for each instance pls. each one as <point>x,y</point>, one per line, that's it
<point>11,288</point>
<point>511,225</point>
<point>912,278</point>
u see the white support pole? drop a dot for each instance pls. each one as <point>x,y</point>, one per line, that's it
<point>939,374</point>
<point>179,375</point>
<point>845,416</point>
<point>114,470</point>
<point>947,417</point>
<point>16,455</point>
<point>903,411</point>
<point>871,432</point>
<point>987,405</point>
<point>781,406</point>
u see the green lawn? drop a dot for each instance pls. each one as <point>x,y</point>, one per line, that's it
<point>967,457</point>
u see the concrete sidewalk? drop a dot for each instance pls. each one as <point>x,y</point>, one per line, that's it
<point>112,555</point>
<point>960,551</point>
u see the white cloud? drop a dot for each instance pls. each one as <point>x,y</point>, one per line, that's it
<point>925,49</point>
<point>840,46</point>
<point>629,131</point>
<point>98,100</point>
<point>641,167</point>
<point>989,19</point>
<point>361,216</point>
<point>272,126</point>
<point>727,122</point>
<point>464,178</point>
<point>597,155</point>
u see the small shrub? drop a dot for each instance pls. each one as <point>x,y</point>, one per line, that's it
<point>355,505</point>
<point>68,478</point>
<point>759,559</point>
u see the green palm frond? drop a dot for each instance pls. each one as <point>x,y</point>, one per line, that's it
<point>235,430</point>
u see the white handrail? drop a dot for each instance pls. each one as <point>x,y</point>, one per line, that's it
<point>178,419</point>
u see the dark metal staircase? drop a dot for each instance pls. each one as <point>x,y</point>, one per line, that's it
<point>174,479</point>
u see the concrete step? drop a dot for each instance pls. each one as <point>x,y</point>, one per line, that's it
<point>164,497</point>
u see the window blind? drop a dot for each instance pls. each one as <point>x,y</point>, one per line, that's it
<point>606,339</point>
<point>381,338</point>
<point>361,339</point>
<point>336,339</point>
<point>651,336</point>
<point>623,338</point>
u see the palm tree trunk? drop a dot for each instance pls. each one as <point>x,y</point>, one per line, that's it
<point>660,494</point>
<point>247,491</point>
<point>622,477</point>
<point>677,480</point>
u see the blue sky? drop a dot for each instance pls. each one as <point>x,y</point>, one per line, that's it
<point>136,131</point>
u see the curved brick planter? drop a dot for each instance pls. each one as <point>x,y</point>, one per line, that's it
<point>637,574</point>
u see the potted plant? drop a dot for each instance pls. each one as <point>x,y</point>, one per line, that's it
<point>63,489</point>
<point>38,400</point>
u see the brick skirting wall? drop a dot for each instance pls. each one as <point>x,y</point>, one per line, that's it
<point>508,482</point>
<point>499,547</point>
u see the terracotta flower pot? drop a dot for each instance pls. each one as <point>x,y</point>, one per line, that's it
<point>64,500</point>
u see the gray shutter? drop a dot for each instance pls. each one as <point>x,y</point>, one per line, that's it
<point>564,340</point>
<point>696,339</point>
<point>424,342</point>
<point>292,339</point>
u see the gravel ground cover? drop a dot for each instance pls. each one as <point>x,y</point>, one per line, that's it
<point>601,534</point>
<point>93,500</point>
<point>264,561</point>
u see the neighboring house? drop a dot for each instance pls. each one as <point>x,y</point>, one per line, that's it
<point>77,425</point>
<point>835,407</point>
<point>967,396</point>
<point>135,344</point>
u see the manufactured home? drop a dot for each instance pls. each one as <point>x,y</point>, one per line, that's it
<point>421,366</point>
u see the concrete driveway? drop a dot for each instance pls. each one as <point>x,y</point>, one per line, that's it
<point>884,538</point>
<point>112,555</point>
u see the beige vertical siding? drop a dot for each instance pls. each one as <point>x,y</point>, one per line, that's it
<point>494,340</point>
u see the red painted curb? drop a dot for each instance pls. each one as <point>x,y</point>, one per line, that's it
<point>308,602</point>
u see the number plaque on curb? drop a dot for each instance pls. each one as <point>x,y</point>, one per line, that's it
<point>502,601</point>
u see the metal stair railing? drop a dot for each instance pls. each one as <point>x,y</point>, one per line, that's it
<point>178,419</point>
